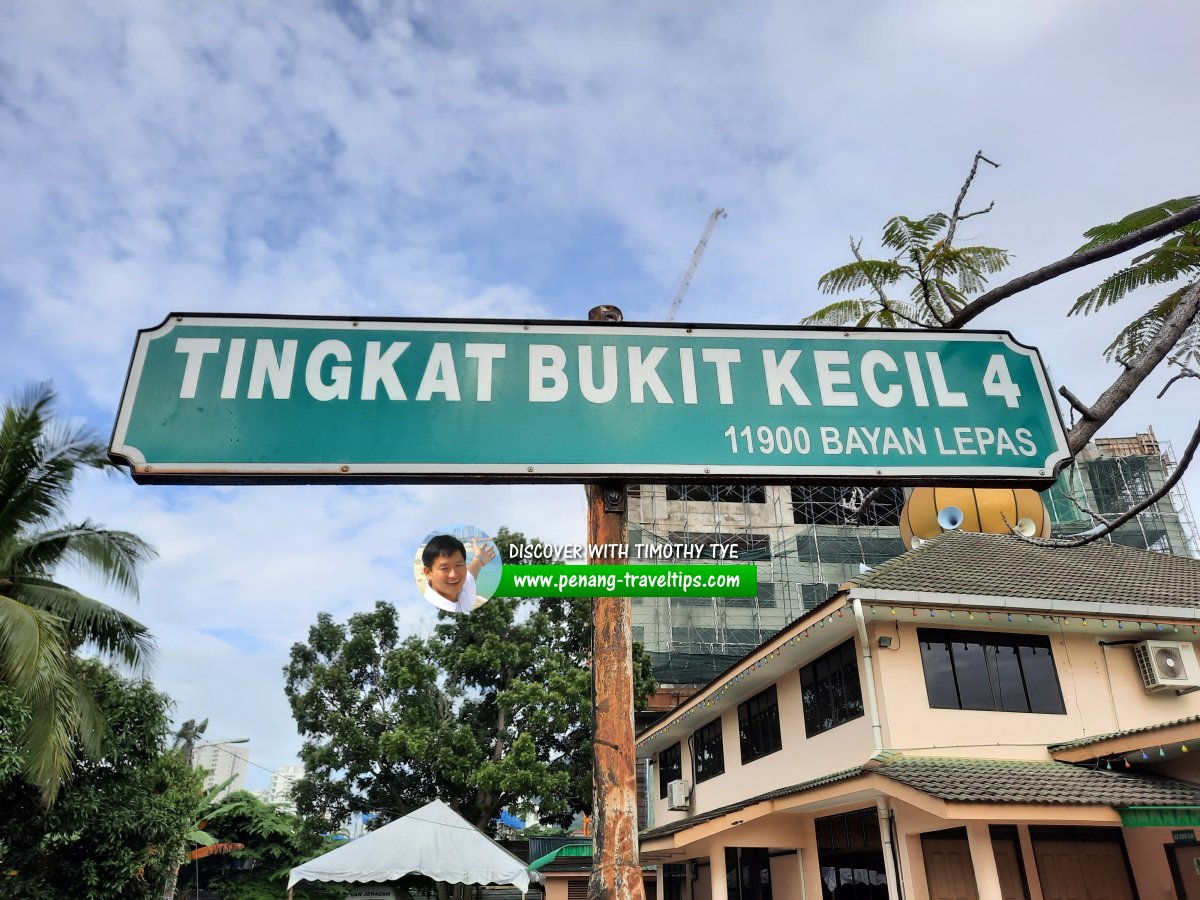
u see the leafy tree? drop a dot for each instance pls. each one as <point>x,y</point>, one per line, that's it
<point>492,711</point>
<point>1176,258</point>
<point>106,835</point>
<point>272,843</point>
<point>924,257</point>
<point>43,622</point>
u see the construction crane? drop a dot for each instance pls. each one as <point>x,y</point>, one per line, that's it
<point>691,269</point>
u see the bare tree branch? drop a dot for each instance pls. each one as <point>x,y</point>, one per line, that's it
<point>955,216</point>
<point>1090,513</point>
<point>1107,527</point>
<point>978,212</point>
<point>1187,373</point>
<point>1139,368</point>
<point>868,500</point>
<point>1083,409</point>
<point>988,299</point>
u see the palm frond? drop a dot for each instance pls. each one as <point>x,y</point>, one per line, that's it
<point>844,312</point>
<point>48,740</point>
<point>1110,231</point>
<point>1186,353</point>
<point>39,458</point>
<point>93,728</point>
<point>989,260</point>
<point>907,235</point>
<point>861,274</point>
<point>1154,269</point>
<point>1134,337</point>
<point>33,653</point>
<point>116,556</point>
<point>115,635</point>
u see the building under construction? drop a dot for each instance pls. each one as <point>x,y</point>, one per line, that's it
<point>808,540</point>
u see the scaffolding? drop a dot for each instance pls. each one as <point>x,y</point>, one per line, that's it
<point>806,541</point>
<point>1112,476</point>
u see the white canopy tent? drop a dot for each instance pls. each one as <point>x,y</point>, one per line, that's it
<point>433,840</point>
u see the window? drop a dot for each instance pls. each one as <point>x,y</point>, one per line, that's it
<point>850,856</point>
<point>978,670</point>
<point>748,547</point>
<point>814,594</point>
<point>720,493</point>
<point>827,505</point>
<point>708,753</point>
<point>831,691</point>
<point>670,768</point>
<point>748,873</point>
<point>758,725</point>
<point>847,548</point>
<point>766,595</point>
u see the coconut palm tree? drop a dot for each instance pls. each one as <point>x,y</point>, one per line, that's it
<point>44,623</point>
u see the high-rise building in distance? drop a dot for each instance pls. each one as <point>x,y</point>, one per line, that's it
<point>222,761</point>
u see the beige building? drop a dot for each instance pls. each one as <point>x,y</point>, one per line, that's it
<point>980,717</point>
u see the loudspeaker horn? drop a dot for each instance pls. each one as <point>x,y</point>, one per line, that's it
<point>950,518</point>
<point>1026,526</point>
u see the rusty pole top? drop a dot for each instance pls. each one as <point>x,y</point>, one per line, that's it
<point>605,313</point>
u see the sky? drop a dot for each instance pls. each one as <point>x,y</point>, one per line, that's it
<point>520,160</point>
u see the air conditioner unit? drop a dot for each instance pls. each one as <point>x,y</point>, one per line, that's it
<point>679,794</point>
<point>1167,666</point>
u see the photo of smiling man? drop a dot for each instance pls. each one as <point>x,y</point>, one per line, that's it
<point>450,569</point>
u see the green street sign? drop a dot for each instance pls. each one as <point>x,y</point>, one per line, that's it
<point>246,398</point>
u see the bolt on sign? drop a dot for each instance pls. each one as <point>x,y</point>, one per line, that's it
<point>250,398</point>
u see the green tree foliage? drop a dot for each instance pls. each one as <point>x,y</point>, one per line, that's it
<point>273,842</point>
<point>42,621</point>
<point>925,258</point>
<point>942,281</point>
<point>937,277</point>
<point>492,711</point>
<point>1174,259</point>
<point>109,833</point>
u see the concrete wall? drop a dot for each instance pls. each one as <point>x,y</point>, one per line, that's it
<point>800,758</point>
<point>1102,692</point>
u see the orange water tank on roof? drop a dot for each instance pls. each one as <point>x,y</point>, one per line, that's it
<point>931,510</point>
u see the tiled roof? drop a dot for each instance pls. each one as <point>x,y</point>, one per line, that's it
<point>1100,738</point>
<point>964,562</point>
<point>1012,781</point>
<point>988,781</point>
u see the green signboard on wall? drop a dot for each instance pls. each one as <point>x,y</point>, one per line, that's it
<point>216,398</point>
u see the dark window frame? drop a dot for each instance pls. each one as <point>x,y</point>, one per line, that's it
<point>717,493</point>
<point>669,764</point>
<point>758,725</point>
<point>708,752</point>
<point>831,690</point>
<point>749,546</point>
<point>982,678</point>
